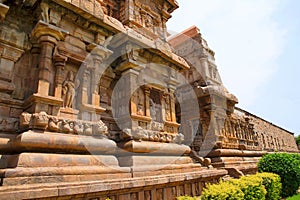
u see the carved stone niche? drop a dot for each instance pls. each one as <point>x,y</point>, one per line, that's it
<point>77,80</point>
<point>148,118</point>
<point>69,86</point>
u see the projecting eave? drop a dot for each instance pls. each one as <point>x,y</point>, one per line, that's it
<point>185,35</point>
<point>158,47</point>
<point>174,5</point>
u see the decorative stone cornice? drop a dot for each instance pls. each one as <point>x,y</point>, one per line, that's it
<point>10,53</point>
<point>45,29</point>
<point>99,50</point>
<point>3,11</point>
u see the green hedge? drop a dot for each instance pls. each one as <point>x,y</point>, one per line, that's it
<point>222,191</point>
<point>262,186</point>
<point>187,198</point>
<point>252,187</point>
<point>287,166</point>
<point>272,183</point>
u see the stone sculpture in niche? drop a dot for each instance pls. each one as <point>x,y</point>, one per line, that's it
<point>68,92</point>
<point>152,110</point>
<point>140,102</point>
<point>168,107</point>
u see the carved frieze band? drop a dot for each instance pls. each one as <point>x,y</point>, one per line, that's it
<point>150,135</point>
<point>43,121</point>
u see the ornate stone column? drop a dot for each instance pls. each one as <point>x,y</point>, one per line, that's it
<point>147,100</point>
<point>59,62</point>
<point>46,97</point>
<point>98,54</point>
<point>93,70</point>
<point>48,36</point>
<point>129,73</point>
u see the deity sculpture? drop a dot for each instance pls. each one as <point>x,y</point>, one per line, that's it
<point>69,90</point>
<point>168,108</point>
<point>152,110</point>
<point>140,102</point>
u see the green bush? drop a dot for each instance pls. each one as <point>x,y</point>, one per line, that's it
<point>222,191</point>
<point>272,184</point>
<point>251,186</point>
<point>187,198</point>
<point>287,166</point>
<point>262,186</point>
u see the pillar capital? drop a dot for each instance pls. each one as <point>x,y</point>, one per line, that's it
<point>59,60</point>
<point>3,11</point>
<point>99,51</point>
<point>47,32</point>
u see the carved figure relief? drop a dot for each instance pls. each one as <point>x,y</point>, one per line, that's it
<point>155,105</point>
<point>148,21</point>
<point>140,102</point>
<point>8,124</point>
<point>168,108</point>
<point>68,92</point>
<point>45,12</point>
<point>47,122</point>
<point>152,110</point>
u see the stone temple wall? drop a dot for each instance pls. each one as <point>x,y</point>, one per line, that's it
<point>231,137</point>
<point>97,102</point>
<point>271,137</point>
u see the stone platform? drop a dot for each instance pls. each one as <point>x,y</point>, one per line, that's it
<point>142,188</point>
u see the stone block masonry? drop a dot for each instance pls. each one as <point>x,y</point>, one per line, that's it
<point>95,103</point>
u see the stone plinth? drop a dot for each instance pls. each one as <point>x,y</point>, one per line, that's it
<point>143,188</point>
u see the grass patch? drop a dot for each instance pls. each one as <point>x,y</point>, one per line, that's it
<point>295,197</point>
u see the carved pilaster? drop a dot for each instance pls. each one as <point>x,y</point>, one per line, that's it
<point>8,57</point>
<point>147,100</point>
<point>98,54</point>
<point>59,62</point>
<point>44,100</point>
<point>173,112</point>
<point>48,36</point>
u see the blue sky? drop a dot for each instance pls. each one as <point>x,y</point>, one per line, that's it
<point>257,46</point>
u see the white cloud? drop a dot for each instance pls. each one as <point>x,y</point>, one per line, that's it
<point>244,35</point>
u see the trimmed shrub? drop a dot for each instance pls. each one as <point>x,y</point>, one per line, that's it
<point>261,186</point>
<point>287,166</point>
<point>272,184</point>
<point>251,186</point>
<point>222,191</point>
<point>187,198</point>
